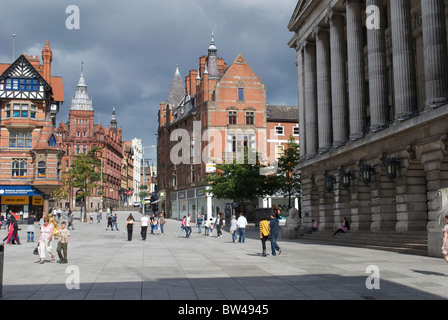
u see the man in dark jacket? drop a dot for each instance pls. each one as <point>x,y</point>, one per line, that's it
<point>274,225</point>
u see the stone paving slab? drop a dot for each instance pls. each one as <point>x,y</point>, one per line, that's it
<point>167,267</point>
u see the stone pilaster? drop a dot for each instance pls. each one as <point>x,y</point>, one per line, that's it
<point>323,90</point>
<point>379,97</point>
<point>326,205</point>
<point>301,100</point>
<point>338,83</point>
<point>435,51</point>
<point>356,72</point>
<point>310,99</point>
<point>405,89</point>
<point>383,205</point>
<point>360,201</point>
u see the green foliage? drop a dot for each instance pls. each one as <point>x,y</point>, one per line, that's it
<point>86,172</point>
<point>288,178</point>
<point>241,181</point>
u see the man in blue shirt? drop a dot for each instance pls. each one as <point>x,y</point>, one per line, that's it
<point>274,225</point>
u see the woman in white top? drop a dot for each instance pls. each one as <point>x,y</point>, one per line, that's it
<point>45,238</point>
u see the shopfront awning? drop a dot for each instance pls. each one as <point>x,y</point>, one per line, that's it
<point>19,191</point>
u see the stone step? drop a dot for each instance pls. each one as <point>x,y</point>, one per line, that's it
<point>409,243</point>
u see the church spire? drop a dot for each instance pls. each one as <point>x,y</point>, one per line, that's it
<point>81,99</point>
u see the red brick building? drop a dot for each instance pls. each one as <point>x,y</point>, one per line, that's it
<point>30,153</point>
<point>80,134</point>
<point>220,110</point>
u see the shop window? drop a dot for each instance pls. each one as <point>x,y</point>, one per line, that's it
<point>19,168</point>
<point>41,169</point>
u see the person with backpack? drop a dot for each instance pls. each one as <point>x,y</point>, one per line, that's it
<point>344,227</point>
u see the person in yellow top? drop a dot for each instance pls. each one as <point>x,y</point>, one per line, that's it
<point>53,222</point>
<point>264,234</point>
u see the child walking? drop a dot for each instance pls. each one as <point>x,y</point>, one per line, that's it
<point>64,236</point>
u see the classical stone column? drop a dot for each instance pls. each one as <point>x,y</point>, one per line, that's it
<point>338,83</point>
<point>379,98</point>
<point>355,60</point>
<point>435,51</point>
<point>301,99</point>
<point>405,89</point>
<point>310,99</point>
<point>324,114</point>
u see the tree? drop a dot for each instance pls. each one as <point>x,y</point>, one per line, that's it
<point>86,175</point>
<point>66,190</point>
<point>288,177</point>
<point>241,181</point>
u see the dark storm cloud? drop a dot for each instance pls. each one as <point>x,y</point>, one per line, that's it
<point>130,49</point>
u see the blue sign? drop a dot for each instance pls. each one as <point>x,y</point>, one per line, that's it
<point>19,191</point>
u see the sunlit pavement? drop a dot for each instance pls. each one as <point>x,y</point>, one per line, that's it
<point>103,265</point>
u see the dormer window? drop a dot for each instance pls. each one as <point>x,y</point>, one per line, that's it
<point>22,84</point>
<point>52,141</point>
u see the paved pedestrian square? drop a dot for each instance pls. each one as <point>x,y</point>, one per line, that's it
<point>103,265</point>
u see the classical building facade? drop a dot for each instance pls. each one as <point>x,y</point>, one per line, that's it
<point>373,89</point>
<point>30,151</point>
<point>79,135</point>
<point>220,110</point>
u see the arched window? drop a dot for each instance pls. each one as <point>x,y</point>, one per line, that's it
<point>41,169</point>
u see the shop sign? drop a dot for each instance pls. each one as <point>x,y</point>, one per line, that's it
<point>38,201</point>
<point>15,200</point>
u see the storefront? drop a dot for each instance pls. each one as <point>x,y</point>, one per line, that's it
<point>194,201</point>
<point>21,201</point>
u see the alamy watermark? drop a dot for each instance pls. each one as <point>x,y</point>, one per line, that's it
<point>373,280</point>
<point>373,18</point>
<point>73,21</point>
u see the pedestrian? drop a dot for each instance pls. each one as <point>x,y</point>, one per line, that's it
<point>130,226</point>
<point>115,222</point>
<point>212,225</point>
<point>144,222</point>
<point>199,221</point>
<point>274,226</point>
<point>151,219</point>
<point>162,222</point>
<point>233,228</point>
<point>13,233</point>
<point>30,229</point>
<point>242,224</point>
<point>314,227</point>
<point>182,226</point>
<point>445,240</point>
<point>218,225</point>
<point>70,219</point>
<point>63,237</point>
<point>45,239</point>
<point>64,215</point>
<point>207,227</point>
<point>110,223</point>
<point>188,226</point>
<point>265,230</point>
<point>156,225</point>
<point>99,216</point>
<point>344,227</point>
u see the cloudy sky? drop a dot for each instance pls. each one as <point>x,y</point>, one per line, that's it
<point>130,49</point>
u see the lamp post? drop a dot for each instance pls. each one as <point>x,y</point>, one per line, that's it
<point>144,175</point>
